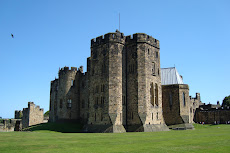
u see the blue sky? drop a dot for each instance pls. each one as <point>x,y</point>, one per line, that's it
<point>194,36</point>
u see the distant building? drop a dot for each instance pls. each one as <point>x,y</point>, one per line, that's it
<point>212,114</point>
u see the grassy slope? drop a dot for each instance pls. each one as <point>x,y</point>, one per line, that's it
<point>204,139</point>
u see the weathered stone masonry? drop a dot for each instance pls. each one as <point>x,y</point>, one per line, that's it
<point>32,115</point>
<point>114,94</point>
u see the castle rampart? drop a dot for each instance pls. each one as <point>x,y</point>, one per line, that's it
<point>32,115</point>
<point>143,38</point>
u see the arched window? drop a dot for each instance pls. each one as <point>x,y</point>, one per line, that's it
<point>152,94</point>
<point>153,68</point>
<point>60,103</point>
<point>156,94</point>
<point>69,103</point>
<point>183,98</point>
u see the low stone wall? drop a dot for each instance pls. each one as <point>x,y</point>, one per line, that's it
<point>213,116</point>
<point>9,125</point>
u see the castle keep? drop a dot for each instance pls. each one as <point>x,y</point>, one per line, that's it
<point>121,89</point>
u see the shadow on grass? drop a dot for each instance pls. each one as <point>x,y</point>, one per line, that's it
<point>57,127</point>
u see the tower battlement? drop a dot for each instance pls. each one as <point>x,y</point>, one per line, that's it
<point>67,69</point>
<point>142,37</point>
<point>109,37</point>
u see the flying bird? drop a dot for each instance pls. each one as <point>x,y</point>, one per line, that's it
<point>12,35</point>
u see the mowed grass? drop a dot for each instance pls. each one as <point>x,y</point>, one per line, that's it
<point>205,138</point>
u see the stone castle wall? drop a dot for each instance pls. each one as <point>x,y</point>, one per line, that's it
<point>114,93</point>
<point>10,125</point>
<point>213,116</point>
<point>32,115</point>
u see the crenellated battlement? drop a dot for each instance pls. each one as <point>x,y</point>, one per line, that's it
<point>65,70</point>
<point>120,38</point>
<point>31,104</point>
<point>195,98</point>
<point>109,37</point>
<point>142,37</point>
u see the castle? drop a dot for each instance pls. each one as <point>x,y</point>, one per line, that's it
<point>123,90</point>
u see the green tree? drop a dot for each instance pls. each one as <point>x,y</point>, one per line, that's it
<point>226,101</point>
<point>46,114</point>
<point>20,115</point>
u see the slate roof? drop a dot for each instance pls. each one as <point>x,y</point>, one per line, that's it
<point>170,76</point>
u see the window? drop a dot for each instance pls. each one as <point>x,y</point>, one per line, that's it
<point>151,94</point>
<point>60,103</point>
<point>148,51</point>
<point>69,103</point>
<point>71,82</point>
<point>102,88</point>
<point>124,100</point>
<point>152,116</point>
<point>153,68</point>
<point>156,94</point>
<point>156,54</point>
<point>103,68</point>
<point>157,116</point>
<point>170,100</point>
<point>183,98</point>
<point>131,68</point>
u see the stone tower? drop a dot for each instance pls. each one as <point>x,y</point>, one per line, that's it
<point>105,82</point>
<point>65,83</point>
<point>144,97</point>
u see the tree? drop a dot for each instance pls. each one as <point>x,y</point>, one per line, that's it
<point>226,101</point>
<point>46,114</point>
<point>20,114</point>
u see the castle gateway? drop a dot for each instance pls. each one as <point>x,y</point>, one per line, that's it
<point>121,90</point>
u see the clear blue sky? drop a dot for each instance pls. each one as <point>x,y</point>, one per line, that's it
<point>194,35</point>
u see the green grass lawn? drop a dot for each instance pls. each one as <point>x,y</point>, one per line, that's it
<point>206,138</point>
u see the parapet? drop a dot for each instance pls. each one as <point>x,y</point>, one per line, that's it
<point>67,69</point>
<point>109,37</point>
<point>80,69</point>
<point>196,98</point>
<point>30,104</point>
<point>143,38</point>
